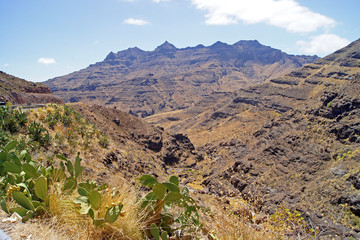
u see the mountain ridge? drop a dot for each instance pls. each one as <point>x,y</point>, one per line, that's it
<point>168,78</point>
<point>19,91</point>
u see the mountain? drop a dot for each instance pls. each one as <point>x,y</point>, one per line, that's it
<point>292,140</point>
<point>168,78</point>
<point>20,91</point>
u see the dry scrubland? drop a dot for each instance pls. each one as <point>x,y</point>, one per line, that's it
<point>37,137</point>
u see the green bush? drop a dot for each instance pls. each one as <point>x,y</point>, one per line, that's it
<point>39,134</point>
<point>103,141</point>
<point>21,117</point>
<point>4,137</point>
<point>291,223</point>
<point>65,115</point>
<point>12,120</point>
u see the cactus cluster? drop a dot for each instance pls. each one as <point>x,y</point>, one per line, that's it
<point>25,184</point>
<point>155,232</point>
<point>26,181</point>
<point>90,201</point>
<point>162,197</point>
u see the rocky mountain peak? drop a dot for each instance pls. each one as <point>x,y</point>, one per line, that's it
<point>219,44</point>
<point>252,43</point>
<point>200,46</point>
<point>346,57</point>
<point>131,53</point>
<point>165,47</point>
<point>111,56</point>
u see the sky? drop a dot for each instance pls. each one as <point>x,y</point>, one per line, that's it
<point>43,39</point>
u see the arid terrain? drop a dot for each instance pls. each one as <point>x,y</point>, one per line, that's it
<point>267,143</point>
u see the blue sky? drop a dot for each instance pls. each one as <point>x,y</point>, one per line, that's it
<point>42,39</point>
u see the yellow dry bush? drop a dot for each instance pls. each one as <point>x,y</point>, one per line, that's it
<point>41,117</point>
<point>77,226</point>
<point>50,110</point>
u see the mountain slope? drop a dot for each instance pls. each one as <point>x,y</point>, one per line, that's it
<point>293,140</point>
<point>19,91</point>
<point>148,82</point>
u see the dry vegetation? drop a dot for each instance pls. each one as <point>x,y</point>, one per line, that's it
<point>71,133</point>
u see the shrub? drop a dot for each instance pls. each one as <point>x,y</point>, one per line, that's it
<point>3,138</point>
<point>21,117</point>
<point>39,134</point>
<point>290,223</point>
<point>12,119</point>
<point>8,120</point>
<point>103,141</point>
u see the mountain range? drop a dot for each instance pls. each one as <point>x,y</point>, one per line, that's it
<point>167,78</point>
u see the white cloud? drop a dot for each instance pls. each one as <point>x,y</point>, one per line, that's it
<point>6,65</point>
<point>287,14</point>
<point>134,21</point>
<point>46,61</point>
<point>322,44</point>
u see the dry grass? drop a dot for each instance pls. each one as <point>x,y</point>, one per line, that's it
<point>77,226</point>
<point>35,229</point>
<point>63,220</point>
<point>229,229</point>
<point>230,221</point>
